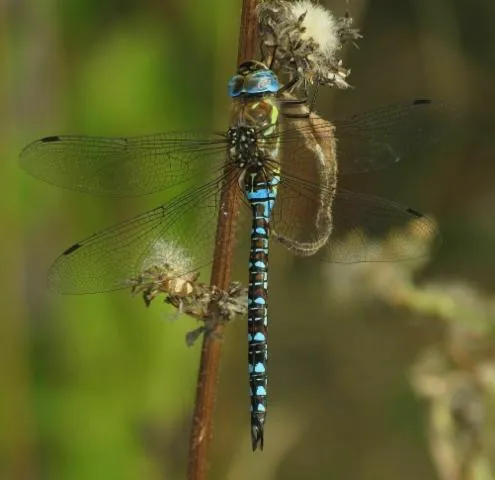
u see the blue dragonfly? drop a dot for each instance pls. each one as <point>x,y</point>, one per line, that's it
<point>286,166</point>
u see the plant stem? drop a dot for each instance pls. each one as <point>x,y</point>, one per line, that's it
<point>201,430</point>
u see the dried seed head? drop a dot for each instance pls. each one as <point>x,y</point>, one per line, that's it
<point>304,39</point>
<point>170,256</point>
<point>318,25</point>
<point>166,269</point>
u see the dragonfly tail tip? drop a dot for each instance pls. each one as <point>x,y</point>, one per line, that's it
<point>257,436</point>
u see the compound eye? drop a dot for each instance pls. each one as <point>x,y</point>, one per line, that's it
<point>236,86</point>
<point>262,81</point>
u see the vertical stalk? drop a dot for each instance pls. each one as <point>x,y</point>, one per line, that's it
<point>202,423</point>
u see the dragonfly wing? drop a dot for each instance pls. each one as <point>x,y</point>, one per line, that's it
<point>380,138</point>
<point>311,212</point>
<point>180,233</point>
<point>123,166</point>
<point>301,215</point>
<point>372,229</point>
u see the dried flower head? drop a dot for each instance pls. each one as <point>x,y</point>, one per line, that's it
<point>169,271</point>
<point>168,255</point>
<point>304,39</point>
<point>211,305</point>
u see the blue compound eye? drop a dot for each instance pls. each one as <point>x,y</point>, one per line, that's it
<point>262,81</point>
<point>236,86</point>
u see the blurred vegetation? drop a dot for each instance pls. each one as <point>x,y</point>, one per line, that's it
<point>99,387</point>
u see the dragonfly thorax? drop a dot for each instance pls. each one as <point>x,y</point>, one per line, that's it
<point>244,148</point>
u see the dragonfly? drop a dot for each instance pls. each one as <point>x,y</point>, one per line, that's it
<point>285,166</point>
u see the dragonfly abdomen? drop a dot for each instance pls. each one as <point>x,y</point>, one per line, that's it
<point>260,193</point>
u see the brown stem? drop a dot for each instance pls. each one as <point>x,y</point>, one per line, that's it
<point>201,430</point>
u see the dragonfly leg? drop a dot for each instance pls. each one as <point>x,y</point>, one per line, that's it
<point>301,101</point>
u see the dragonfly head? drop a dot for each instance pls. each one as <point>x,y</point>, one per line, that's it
<point>253,78</point>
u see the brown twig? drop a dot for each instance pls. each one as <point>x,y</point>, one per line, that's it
<point>201,430</point>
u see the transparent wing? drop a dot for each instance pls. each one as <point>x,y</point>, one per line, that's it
<point>371,229</point>
<point>308,167</point>
<point>351,227</point>
<point>310,212</point>
<point>377,139</point>
<point>357,228</point>
<point>123,166</point>
<point>180,233</point>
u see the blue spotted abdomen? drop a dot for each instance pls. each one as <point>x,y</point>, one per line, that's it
<point>261,193</point>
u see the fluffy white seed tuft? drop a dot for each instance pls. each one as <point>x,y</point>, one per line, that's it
<point>320,25</point>
<point>168,255</point>
<point>303,39</point>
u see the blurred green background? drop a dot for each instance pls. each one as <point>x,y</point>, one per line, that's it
<point>97,386</point>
